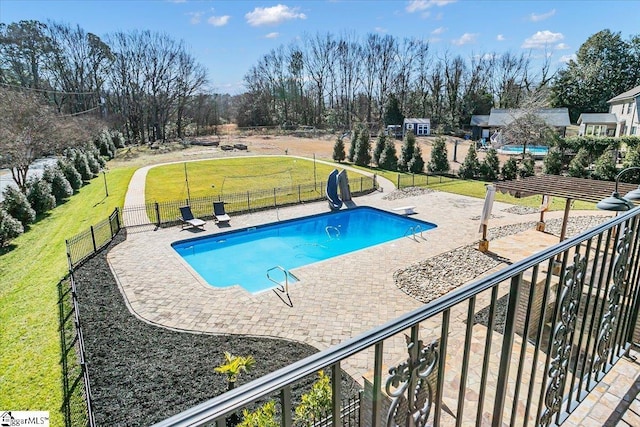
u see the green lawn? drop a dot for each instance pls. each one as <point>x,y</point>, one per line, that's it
<point>224,176</point>
<point>30,372</point>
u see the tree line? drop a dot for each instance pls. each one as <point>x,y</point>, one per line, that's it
<point>335,81</point>
<point>146,84</point>
<point>152,88</point>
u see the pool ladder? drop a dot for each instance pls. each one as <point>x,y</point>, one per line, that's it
<point>329,228</point>
<point>413,230</point>
<point>283,286</point>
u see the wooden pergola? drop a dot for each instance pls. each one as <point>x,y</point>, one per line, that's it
<point>588,190</point>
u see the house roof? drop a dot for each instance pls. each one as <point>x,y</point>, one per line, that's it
<point>419,121</point>
<point>630,94</point>
<point>558,117</point>
<point>479,120</point>
<point>600,118</point>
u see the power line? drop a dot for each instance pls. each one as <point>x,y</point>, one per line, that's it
<point>47,90</point>
<point>82,112</point>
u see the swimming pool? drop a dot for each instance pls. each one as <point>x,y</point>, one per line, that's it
<point>243,257</point>
<point>534,150</point>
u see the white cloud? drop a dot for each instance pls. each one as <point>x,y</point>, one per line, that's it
<point>567,58</point>
<point>421,5</point>
<point>196,17</point>
<point>562,46</point>
<point>218,21</point>
<point>500,38</point>
<point>542,39</point>
<point>439,31</point>
<point>466,38</point>
<point>273,35</point>
<point>380,30</point>
<point>537,18</point>
<point>273,15</point>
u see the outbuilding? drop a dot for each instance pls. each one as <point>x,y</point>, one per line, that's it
<point>419,127</point>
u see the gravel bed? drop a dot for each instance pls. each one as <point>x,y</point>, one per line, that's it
<point>407,192</point>
<point>434,277</point>
<point>521,210</point>
<point>141,374</point>
<point>430,279</point>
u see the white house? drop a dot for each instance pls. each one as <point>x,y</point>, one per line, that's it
<point>623,118</point>
<point>625,107</point>
<point>597,124</point>
<point>419,127</point>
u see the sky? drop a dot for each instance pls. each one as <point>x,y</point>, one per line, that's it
<point>229,37</point>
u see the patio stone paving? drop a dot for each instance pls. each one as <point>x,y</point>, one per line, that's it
<point>336,299</point>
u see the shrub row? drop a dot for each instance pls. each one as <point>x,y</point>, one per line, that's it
<point>22,207</point>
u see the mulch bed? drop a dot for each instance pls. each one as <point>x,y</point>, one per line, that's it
<point>141,374</point>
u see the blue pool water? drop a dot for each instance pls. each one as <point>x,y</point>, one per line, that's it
<point>536,150</point>
<point>243,257</point>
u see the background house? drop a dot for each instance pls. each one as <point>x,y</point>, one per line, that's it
<point>480,127</point>
<point>483,126</point>
<point>419,127</point>
<point>625,107</point>
<point>597,124</point>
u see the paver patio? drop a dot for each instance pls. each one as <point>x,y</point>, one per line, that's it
<point>336,299</point>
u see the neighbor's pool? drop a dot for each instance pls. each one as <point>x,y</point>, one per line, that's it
<point>535,150</point>
<point>243,257</point>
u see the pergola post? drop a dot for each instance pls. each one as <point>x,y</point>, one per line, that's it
<point>563,232</point>
<point>565,219</point>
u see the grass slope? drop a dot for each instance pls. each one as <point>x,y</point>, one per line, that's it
<point>30,372</point>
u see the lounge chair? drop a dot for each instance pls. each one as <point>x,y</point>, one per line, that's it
<point>188,220</point>
<point>219,215</point>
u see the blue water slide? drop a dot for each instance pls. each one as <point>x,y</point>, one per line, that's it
<point>332,191</point>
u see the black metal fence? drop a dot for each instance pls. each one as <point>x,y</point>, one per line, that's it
<point>161,213</point>
<point>89,242</point>
<point>422,180</point>
<point>523,346</point>
<point>77,404</point>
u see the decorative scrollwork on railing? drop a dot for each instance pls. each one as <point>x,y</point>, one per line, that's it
<point>409,387</point>
<point>610,318</point>
<point>561,339</point>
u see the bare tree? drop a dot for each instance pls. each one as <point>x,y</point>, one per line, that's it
<point>319,60</point>
<point>192,77</point>
<point>30,130</point>
<point>526,126</point>
<point>349,64</point>
<point>78,68</point>
<point>454,71</point>
<point>510,73</point>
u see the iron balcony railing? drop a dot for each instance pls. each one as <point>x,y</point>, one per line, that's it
<point>522,346</point>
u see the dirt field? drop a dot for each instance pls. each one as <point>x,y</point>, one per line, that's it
<point>319,145</point>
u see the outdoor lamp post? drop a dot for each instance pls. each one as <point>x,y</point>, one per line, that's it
<point>106,189</point>
<point>617,203</point>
